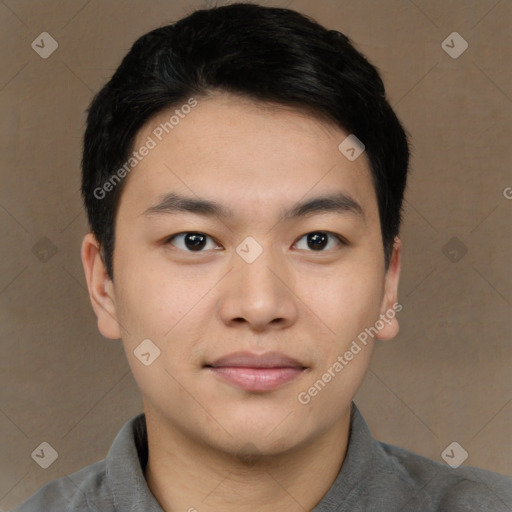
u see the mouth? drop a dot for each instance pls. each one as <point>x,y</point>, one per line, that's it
<point>256,372</point>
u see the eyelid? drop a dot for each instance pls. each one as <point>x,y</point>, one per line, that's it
<point>342,241</point>
<point>168,239</point>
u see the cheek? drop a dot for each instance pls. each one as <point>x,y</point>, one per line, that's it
<point>348,305</point>
<point>160,308</point>
<point>170,309</point>
<point>151,299</point>
<point>330,390</point>
<point>344,302</point>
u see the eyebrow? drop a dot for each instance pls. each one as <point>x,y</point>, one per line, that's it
<point>173,203</point>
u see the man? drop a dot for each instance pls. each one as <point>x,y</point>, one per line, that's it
<point>243,176</point>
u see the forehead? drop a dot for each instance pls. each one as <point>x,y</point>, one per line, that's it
<point>246,155</point>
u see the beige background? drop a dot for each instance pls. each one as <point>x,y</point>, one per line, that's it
<point>447,377</point>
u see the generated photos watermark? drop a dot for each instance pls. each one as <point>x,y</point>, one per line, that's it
<point>304,397</point>
<point>151,142</point>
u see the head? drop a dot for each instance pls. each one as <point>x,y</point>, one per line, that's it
<point>225,216</point>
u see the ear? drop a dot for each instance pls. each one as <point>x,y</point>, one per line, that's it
<point>390,306</point>
<point>101,288</point>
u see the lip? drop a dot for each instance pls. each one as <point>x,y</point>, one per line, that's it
<point>250,360</point>
<point>256,372</point>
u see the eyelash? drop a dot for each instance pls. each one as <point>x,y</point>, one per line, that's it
<point>169,239</point>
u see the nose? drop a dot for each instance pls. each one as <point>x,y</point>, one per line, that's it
<point>259,294</point>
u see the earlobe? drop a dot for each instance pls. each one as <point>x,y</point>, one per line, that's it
<point>390,306</point>
<point>101,288</point>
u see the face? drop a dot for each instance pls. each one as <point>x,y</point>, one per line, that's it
<point>257,275</point>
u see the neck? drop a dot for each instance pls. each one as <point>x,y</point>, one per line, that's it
<point>184,475</point>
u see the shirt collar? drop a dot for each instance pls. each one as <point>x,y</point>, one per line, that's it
<point>358,465</point>
<point>126,462</point>
<point>128,456</point>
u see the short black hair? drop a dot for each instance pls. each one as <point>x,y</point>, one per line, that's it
<point>269,54</point>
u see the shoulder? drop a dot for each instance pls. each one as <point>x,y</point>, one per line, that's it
<point>84,490</point>
<point>91,489</point>
<point>447,489</point>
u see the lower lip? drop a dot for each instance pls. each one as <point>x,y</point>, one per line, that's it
<point>257,379</point>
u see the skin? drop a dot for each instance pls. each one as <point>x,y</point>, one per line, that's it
<point>212,445</point>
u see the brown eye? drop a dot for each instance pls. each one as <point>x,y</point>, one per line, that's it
<point>319,240</point>
<point>190,241</point>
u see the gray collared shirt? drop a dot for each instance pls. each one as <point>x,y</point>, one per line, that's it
<point>374,477</point>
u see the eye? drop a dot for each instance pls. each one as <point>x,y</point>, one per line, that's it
<point>190,241</point>
<point>318,240</point>
<point>193,241</point>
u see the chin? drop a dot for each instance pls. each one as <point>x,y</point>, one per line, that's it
<point>253,446</point>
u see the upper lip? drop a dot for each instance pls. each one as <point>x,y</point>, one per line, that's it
<point>250,360</point>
